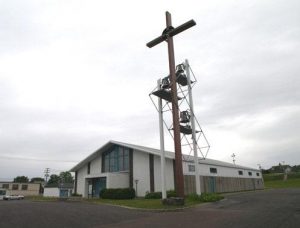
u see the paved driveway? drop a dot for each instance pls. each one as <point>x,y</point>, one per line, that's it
<point>271,208</point>
<point>29,214</point>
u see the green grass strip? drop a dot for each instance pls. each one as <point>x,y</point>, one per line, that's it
<point>289,183</point>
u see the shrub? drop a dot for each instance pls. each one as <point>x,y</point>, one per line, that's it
<point>205,197</point>
<point>193,197</point>
<point>171,193</point>
<point>117,193</point>
<point>76,194</point>
<point>210,197</point>
<point>158,195</point>
<point>153,195</point>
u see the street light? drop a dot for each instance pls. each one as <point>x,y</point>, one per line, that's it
<point>136,186</point>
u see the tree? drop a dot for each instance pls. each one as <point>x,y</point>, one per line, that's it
<point>66,177</point>
<point>54,179</point>
<point>37,180</point>
<point>63,177</point>
<point>296,168</point>
<point>265,171</point>
<point>21,179</point>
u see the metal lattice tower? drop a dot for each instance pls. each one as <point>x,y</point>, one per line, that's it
<point>193,139</point>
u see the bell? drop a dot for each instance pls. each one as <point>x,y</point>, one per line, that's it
<point>180,68</point>
<point>180,75</point>
<point>165,82</point>
<point>181,79</point>
<point>185,117</point>
<point>185,129</point>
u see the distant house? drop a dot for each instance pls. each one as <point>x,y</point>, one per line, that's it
<point>280,168</point>
<point>59,190</point>
<point>123,165</point>
<point>25,189</point>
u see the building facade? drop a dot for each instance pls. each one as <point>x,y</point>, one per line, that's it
<point>123,165</point>
<point>25,189</point>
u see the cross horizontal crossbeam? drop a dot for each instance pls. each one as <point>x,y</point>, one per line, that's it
<point>169,32</point>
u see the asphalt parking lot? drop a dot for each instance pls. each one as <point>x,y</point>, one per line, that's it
<point>270,208</point>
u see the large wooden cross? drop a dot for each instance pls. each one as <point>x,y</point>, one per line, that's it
<point>167,36</point>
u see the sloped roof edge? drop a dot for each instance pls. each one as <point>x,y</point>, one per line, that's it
<point>168,154</point>
<point>91,156</point>
<point>111,143</point>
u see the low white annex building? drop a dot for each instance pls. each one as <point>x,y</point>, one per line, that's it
<point>123,165</point>
<point>58,190</point>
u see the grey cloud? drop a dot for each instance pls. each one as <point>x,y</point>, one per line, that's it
<point>284,128</point>
<point>245,56</point>
<point>18,29</point>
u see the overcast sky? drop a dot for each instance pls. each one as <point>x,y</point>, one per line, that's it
<point>76,74</point>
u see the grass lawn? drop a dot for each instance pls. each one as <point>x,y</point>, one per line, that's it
<point>143,203</point>
<point>134,203</point>
<point>289,183</point>
<point>140,203</point>
<point>41,198</point>
<point>275,180</point>
<point>190,200</point>
<point>279,176</point>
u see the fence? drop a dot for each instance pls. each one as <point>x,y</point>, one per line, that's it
<point>222,184</point>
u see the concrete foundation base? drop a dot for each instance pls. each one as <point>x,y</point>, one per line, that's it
<point>176,201</point>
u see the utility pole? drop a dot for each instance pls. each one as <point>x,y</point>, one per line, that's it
<point>46,172</point>
<point>233,158</point>
<point>167,36</point>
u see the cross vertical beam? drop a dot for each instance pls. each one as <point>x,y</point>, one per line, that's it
<point>167,36</point>
<point>177,141</point>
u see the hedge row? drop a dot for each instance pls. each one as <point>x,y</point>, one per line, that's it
<point>117,193</point>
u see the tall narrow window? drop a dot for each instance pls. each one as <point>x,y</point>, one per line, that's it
<point>106,164</point>
<point>120,160</point>
<point>89,168</point>
<point>126,159</point>
<point>116,160</point>
<point>250,173</point>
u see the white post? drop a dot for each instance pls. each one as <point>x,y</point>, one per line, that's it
<point>197,176</point>
<point>162,145</point>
